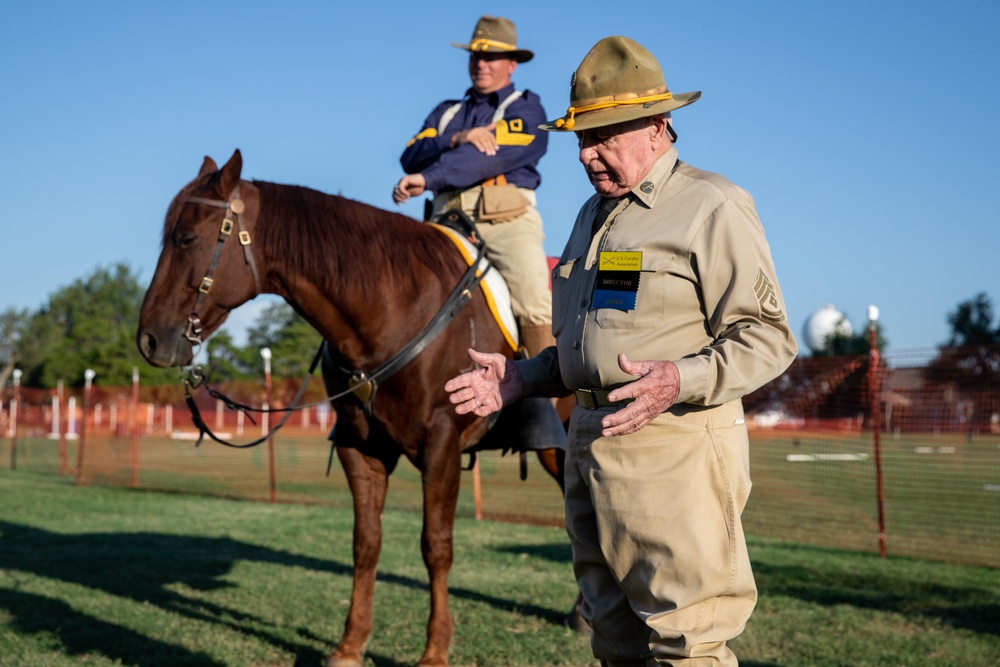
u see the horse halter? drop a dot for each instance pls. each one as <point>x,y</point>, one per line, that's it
<point>234,208</point>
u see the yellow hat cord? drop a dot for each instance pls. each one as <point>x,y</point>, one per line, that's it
<point>483,44</point>
<point>567,123</point>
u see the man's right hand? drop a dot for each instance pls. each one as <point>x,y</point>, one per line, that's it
<point>411,185</point>
<point>483,138</point>
<point>487,389</point>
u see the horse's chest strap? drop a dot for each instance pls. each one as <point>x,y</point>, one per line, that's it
<point>364,386</point>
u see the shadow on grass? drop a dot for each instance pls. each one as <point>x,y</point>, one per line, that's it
<point>79,634</point>
<point>964,607</point>
<point>554,553</point>
<point>143,566</point>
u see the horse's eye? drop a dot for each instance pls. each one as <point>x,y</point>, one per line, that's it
<point>185,239</point>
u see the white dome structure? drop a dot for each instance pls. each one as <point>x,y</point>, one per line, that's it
<point>821,325</point>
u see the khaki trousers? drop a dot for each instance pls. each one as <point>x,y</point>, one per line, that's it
<point>658,546</point>
<point>516,249</point>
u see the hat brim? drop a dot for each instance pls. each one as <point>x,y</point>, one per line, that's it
<point>621,114</point>
<point>518,55</point>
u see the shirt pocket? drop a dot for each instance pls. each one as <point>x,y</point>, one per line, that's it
<point>561,297</point>
<point>650,298</point>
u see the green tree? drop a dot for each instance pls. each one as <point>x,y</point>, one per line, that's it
<point>12,324</point>
<point>292,340</point>
<point>969,364</point>
<point>839,343</point>
<point>228,361</point>
<point>90,324</point>
<point>972,323</point>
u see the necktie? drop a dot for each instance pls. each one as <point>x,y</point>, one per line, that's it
<point>607,205</point>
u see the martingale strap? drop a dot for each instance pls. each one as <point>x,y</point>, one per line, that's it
<point>203,428</point>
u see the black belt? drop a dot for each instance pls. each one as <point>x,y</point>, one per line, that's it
<point>598,398</point>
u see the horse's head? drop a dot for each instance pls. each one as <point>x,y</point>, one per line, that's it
<point>206,266</point>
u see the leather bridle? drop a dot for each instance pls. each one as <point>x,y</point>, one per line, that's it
<point>234,209</point>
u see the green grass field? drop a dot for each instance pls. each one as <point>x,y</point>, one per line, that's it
<point>113,576</point>
<point>942,493</point>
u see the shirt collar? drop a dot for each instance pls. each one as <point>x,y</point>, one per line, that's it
<point>494,98</point>
<point>649,188</point>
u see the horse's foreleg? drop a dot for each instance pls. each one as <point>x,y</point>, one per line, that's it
<point>441,480</point>
<point>554,462</point>
<point>368,479</point>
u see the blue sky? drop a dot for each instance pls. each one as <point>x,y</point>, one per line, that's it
<point>867,132</point>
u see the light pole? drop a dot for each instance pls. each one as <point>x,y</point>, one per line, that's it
<point>134,418</point>
<point>57,425</point>
<point>88,381</point>
<point>873,368</point>
<point>14,402</point>
<point>265,353</point>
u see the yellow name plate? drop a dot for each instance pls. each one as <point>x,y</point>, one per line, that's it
<point>621,261</point>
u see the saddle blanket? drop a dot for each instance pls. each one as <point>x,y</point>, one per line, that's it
<point>493,285</point>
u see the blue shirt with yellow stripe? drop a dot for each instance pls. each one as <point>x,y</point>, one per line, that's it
<point>521,143</point>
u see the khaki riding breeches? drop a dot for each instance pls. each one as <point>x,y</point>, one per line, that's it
<point>515,247</point>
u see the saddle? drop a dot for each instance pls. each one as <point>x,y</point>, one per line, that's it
<point>532,423</point>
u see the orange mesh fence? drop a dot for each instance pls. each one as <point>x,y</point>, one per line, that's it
<point>813,453</point>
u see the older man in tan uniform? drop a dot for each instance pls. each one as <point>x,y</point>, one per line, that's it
<point>666,312</point>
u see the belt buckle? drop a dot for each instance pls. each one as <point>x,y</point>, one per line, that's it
<point>587,398</point>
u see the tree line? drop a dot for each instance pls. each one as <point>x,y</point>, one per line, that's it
<point>92,323</point>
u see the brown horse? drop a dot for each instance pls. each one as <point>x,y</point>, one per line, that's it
<point>369,281</point>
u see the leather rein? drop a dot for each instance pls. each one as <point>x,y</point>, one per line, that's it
<point>361,384</point>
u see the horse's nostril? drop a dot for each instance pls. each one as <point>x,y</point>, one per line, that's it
<point>147,344</point>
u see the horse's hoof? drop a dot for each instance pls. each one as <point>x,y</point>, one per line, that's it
<point>334,661</point>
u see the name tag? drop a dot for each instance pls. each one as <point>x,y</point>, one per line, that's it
<point>620,261</point>
<point>617,280</point>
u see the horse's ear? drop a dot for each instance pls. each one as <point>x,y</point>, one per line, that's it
<point>231,173</point>
<point>208,166</point>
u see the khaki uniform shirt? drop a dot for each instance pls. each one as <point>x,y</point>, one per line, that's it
<point>707,298</point>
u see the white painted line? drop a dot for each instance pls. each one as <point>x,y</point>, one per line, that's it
<point>931,450</point>
<point>805,458</point>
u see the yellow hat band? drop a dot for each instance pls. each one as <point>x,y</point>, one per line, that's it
<point>484,44</point>
<point>569,120</point>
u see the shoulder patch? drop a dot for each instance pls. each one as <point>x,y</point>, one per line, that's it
<point>767,298</point>
<point>510,132</point>
<point>426,134</point>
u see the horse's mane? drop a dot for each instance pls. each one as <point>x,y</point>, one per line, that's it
<point>345,244</point>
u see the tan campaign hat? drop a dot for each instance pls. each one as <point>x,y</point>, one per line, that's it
<point>618,80</point>
<point>495,34</point>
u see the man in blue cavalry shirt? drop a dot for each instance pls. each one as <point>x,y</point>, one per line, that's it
<point>480,154</point>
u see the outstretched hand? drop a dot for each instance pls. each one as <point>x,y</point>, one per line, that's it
<point>487,389</point>
<point>654,392</point>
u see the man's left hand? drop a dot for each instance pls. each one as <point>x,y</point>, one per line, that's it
<point>654,392</point>
<point>483,138</point>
